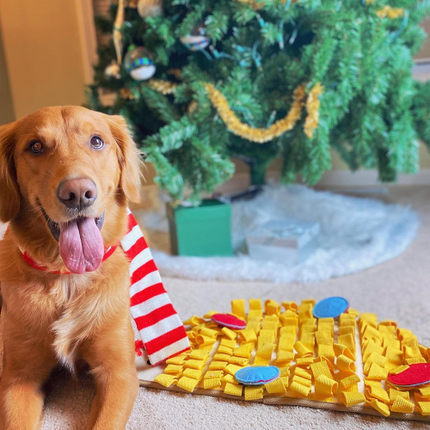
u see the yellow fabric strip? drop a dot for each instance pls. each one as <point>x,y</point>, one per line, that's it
<point>285,371</point>
<point>244,351</point>
<point>266,336</point>
<point>326,351</point>
<point>377,373</point>
<point>425,391</point>
<point>353,312</point>
<point>321,368</point>
<point>254,393</point>
<point>301,349</point>
<point>290,321</point>
<point>411,351</point>
<point>199,355</point>
<point>394,343</point>
<point>370,347</point>
<point>347,329</point>
<point>233,390</point>
<point>348,381</point>
<point>303,373</point>
<point>380,407</point>
<point>187,384</point>
<point>402,405</point>
<point>345,364</point>
<point>255,304</point>
<point>400,369</point>
<point>284,357</point>
<point>288,329</point>
<point>194,321</point>
<point>254,324</point>
<point>343,350</point>
<point>238,308</point>
<point>211,383</point>
<point>270,325</point>
<point>225,350</point>
<point>271,307</point>
<point>424,408</point>
<point>173,369</point>
<point>178,359</point>
<point>208,332</point>
<point>264,354</point>
<point>218,365</point>
<point>228,343</point>
<point>240,361</point>
<point>204,340</point>
<point>308,340</point>
<point>229,333</point>
<point>352,398</point>
<point>305,361</point>
<point>393,393</point>
<point>394,355</point>
<point>247,335</point>
<point>377,358</point>
<point>369,318</point>
<point>351,389</point>
<point>232,369</point>
<point>218,374</point>
<point>193,373</point>
<point>222,357</point>
<point>347,340</point>
<point>415,360</point>
<point>377,393</point>
<point>303,390</point>
<point>290,306</point>
<point>305,311</point>
<point>276,387</point>
<point>194,364</point>
<point>325,387</point>
<point>165,380</point>
<point>230,379</point>
<point>303,381</point>
<point>255,314</point>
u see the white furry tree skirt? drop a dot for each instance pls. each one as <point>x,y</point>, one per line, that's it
<point>356,234</point>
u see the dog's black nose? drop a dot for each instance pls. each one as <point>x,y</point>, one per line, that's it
<point>77,193</point>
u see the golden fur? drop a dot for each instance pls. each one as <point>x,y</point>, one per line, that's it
<point>51,319</point>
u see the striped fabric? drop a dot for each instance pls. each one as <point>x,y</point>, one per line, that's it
<point>158,325</point>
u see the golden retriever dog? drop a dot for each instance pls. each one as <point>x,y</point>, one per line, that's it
<point>66,174</point>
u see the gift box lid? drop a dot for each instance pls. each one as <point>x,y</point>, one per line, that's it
<point>286,233</point>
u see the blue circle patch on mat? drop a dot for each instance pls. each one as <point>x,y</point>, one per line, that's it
<point>331,307</point>
<point>257,375</point>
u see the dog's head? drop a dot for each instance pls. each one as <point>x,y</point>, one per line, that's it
<point>73,169</point>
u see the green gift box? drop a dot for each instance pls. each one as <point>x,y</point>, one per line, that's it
<point>201,231</point>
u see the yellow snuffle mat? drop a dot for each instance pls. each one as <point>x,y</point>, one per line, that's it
<point>337,364</point>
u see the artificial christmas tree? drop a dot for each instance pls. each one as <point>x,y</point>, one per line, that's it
<point>266,79</point>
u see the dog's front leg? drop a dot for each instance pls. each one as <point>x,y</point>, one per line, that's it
<point>110,355</point>
<point>26,367</point>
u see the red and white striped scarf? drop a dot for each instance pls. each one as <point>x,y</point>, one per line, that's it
<point>158,328</point>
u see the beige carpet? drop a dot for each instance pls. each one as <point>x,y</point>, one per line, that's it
<point>398,289</point>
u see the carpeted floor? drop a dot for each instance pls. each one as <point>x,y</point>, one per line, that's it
<point>398,289</point>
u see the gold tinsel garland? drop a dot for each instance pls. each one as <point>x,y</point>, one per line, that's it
<point>258,135</point>
<point>164,87</point>
<point>313,106</point>
<point>390,12</point>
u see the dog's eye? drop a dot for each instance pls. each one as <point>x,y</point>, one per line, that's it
<point>36,147</point>
<point>97,142</point>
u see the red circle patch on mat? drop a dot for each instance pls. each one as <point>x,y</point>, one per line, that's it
<point>229,321</point>
<point>417,374</point>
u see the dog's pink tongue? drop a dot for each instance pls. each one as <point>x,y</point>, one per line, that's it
<point>81,245</point>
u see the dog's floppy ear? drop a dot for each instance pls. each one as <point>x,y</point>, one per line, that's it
<point>128,156</point>
<point>9,191</point>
